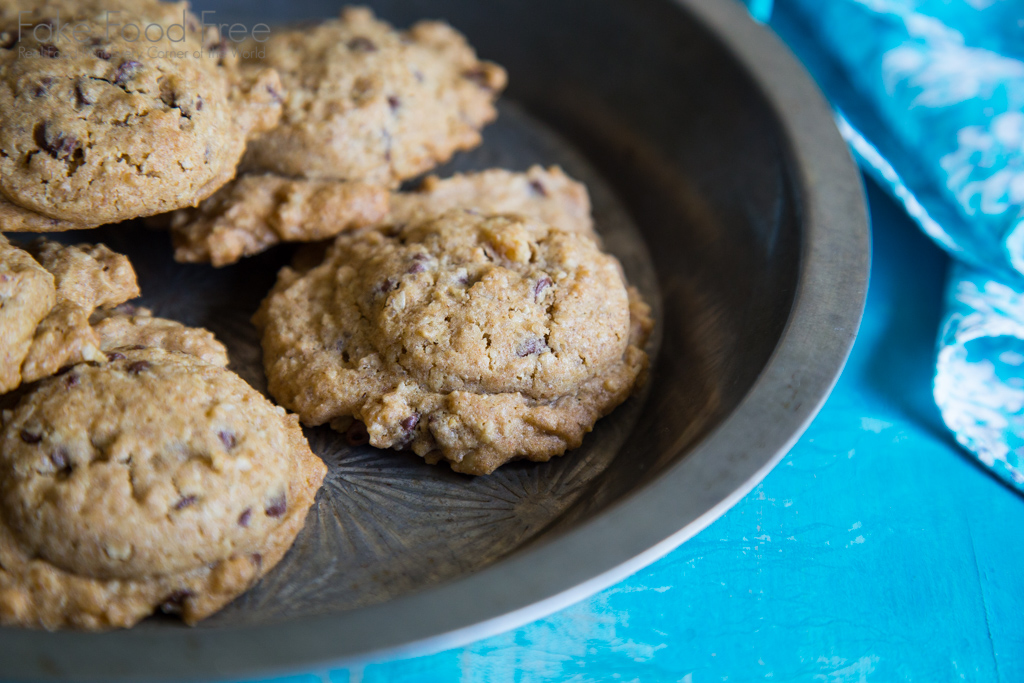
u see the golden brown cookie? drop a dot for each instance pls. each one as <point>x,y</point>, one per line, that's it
<point>132,327</point>
<point>548,195</point>
<point>48,291</point>
<point>107,127</point>
<point>27,294</point>
<point>476,339</point>
<point>153,481</point>
<point>368,103</point>
<point>257,211</point>
<point>86,277</point>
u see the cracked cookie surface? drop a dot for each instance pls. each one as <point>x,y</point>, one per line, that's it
<point>254,212</point>
<point>27,294</point>
<point>469,338</point>
<point>366,102</point>
<point>153,481</point>
<point>257,211</point>
<point>99,130</point>
<point>48,292</point>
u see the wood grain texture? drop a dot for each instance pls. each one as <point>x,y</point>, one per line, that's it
<point>876,551</point>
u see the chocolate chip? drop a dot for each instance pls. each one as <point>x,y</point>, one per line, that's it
<point>138,366</point>
<point>30,437</point>
<point>409,423</point>
<point>174,602</point>
<point>43,86</point>
<point>82,97</point>
<point>244,518</point>
<point>115,356</point>
<point>277,507</point>
<point>388,285</point>
<point>356,434</point>
<point>220,46</point>
<point>49,50</point>
<point>185,502</point>
<point>102,54</point>
<point>60,146</point>
<point>227,438</point>
<point>63,146</point>
<point>531,347</point>
<point>416,267</point>
<point>257,560</point>
<point>479,75</point>
<point>362,44</point>
<point>126,71</point>
<point>394,102</point>
<point>541,285</point>
<point>199,103</point>
<point>71,381</point>
<point>538,188</point>
<point>61,461</point>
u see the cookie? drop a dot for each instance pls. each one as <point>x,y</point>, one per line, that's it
<point>48,291</point>
<point>474,339</point>
<point>366,102</point>
<point>101,127</point>
<point>153,481</point>
<point>86,277</point>
<point>27,294</point>
<point>133,327</point>
<point>255,212</point>
<point>548,195</point>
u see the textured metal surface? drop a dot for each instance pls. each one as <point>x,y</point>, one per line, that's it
<point>726,161</point>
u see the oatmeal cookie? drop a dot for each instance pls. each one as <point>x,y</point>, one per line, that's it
<point>86,277</point>
<point>548,195</point>
<point>255,212</point>
<point>368,103</point>
<point>100,130</point>
<point>27,294</point>
<point>153,481</point>
<point>475,339</point>
<point>48,291</point>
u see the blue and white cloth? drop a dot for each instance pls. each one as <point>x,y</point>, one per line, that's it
<point>930,96</point>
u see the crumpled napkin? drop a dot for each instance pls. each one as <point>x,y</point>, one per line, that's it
<point>930,96</point>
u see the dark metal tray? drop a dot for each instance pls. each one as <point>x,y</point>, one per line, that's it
<point>719,180</point>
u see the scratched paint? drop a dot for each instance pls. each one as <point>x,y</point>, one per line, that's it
<point>875,552</point>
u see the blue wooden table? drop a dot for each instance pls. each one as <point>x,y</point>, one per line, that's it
<point>875,551</point>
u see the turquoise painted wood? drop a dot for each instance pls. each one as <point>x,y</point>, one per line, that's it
<point>875,551</point>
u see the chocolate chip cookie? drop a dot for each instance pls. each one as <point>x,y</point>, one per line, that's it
<point>255,212</point>
<point>27,294</point>
<point>48,291</point>
<point>548,195</point>
<point>153,481</point>
<point>98,126</point>
<point>368,103</point>
<point>86,277</point>
<point>474,339</point>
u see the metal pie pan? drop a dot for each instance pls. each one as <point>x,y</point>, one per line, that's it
<point>720,181</point>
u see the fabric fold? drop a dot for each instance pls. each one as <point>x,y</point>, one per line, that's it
<point>929,94</point>
<point>979,378</point>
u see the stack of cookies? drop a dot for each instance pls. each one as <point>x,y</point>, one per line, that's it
<point>473,320</point>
